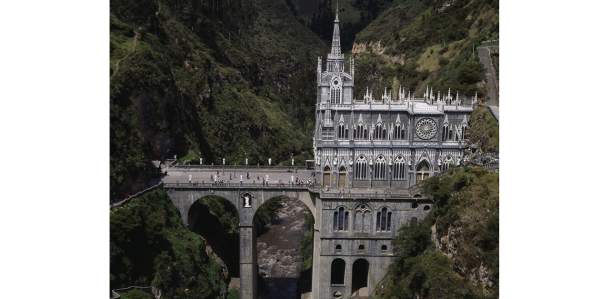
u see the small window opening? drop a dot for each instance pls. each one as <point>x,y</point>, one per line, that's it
<point>383,247</point>
<point>361,247</point>
<point>427,208</point>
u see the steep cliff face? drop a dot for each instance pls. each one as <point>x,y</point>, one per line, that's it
<point>453,253</point>
<point>210,79</point>
<point>467,232</point>
<point>426,42</point>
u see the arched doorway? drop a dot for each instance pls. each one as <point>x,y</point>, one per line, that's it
<point>326,176</point>
<point>342,179</point>
<point>422,171</point>
<point>284,248</point>
<point>217,220</point>
<point>338,270</point>
<point>360,279</point>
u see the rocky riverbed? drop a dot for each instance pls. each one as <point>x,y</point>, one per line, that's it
<point>279,257</point>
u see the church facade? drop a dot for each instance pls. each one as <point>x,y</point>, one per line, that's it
<point>369,154</point>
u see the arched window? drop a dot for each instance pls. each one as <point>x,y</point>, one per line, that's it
<point>384,220</point>
<point>343,173</point>
<point>360,132</point>
<point>326,176</point>
<point>403,133</point>
<point>342,132</point>
<point>446,163</point>
<point>445,133</point>
<point>396,134</point>
<point>379,171</point>
<point>340,219</point>
<point>451,134</point>
<point>463,132</point>
<point>422,171</point>
<point>399,169</point>
<point>360,170</point>
<point>338,269</point>
<point>362,219</point>
<point>336,95</point>
<point>380,131</point>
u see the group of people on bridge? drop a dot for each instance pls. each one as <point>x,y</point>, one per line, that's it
<point>217,179</point>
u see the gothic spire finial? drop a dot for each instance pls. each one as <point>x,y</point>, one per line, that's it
<point>335,41</point>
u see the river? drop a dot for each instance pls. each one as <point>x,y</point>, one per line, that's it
<point>279,256</point>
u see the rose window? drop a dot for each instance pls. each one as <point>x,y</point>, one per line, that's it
<point>426,128</point>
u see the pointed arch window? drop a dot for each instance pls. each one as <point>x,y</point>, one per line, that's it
<point>379,171</point>
<point>360,171</point>
<point>397,129</point>
<point>342,131</point>
<point>380,131</point>
<point>422,171</point>
<point>399,169</point>
<point>384,220</point>
<point>343,174</point>
<point>327,176</point>
<point>360,132</point>
<point>336,95</point>
<point>463,131</point>
<point>340,219</point>
<point>362,219</point>
<point>445,132</point>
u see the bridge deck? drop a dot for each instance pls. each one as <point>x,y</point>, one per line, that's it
<point>292,179</point>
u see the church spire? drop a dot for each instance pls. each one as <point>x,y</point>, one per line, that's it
<point>335,41</point>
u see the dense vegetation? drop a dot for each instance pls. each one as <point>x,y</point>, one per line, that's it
<point>219,79</point>
<point>426,42</point>
<point>149,246</point>
<point>208,79</point>
<point>453,253</point>
<point>355,15</point>
<point>484,132</point>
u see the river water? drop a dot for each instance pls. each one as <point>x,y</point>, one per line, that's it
<point>279,257</point>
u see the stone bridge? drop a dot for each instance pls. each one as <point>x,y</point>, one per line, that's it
<point>248,188</point>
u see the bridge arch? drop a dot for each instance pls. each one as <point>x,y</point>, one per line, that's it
<point>216,219</point>
<point>273,246</point>
<point>260,199</point>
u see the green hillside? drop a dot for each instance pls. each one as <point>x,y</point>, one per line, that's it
<point>454,252</point>
<point>149,246</point>
<point>429,42</point>
<point>208,79</point>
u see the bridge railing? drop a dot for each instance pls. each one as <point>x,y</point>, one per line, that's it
<point>239,167</point>
<point>265,185</point>
<point>378,195</point>
<point>117,203</point>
